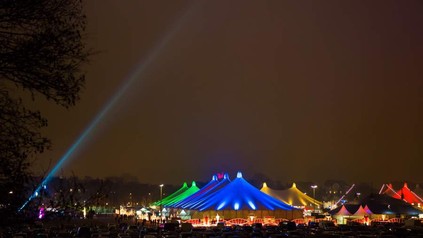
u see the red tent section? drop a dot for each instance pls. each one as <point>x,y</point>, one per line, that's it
<point>404,194</point>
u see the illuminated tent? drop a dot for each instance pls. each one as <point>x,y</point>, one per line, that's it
<point>188,192</point>
<point>292,196</point>
<point>173,195</point>
<point>390,191</point>
<point>240,195</point>
<point>367,209</point>
<point>384,204</point>
<point>200,193</point>
<point>340,211</point>
<point>197,201</point>
<point>361,211</point>
<point>407,195</point>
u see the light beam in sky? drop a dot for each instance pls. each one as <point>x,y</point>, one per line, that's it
<point>140,67</point>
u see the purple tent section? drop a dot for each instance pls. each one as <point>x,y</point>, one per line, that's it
<point>204,196</point>
<point>210,185</point>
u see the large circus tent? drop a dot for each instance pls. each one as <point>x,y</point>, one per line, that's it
<point>292,196</point>
<point>228,199</point>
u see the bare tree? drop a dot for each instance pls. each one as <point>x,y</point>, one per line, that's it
<point>41,52</point>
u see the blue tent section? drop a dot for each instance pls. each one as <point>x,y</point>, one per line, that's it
<point>197,201</point>
<point>203,190</point>
<point>240,195</point>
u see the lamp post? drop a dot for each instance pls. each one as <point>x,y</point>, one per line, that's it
<point>161,198</point>
<point>314,196</point>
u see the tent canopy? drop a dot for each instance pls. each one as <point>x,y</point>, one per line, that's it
<point>195,202</point>
<point>173,195</point>
<point>240,195</point>
<point>209,186</point>
<point>292,196</point>
<point>193,189</point>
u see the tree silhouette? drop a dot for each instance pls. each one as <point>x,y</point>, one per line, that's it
<point>41,53</point>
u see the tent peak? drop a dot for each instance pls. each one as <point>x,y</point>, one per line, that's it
<point>193,184</point>
<point>239,175</point>
<point>294,185</point>
<point>214,178</point>
<point>264,185</point>
<point>405,185</point>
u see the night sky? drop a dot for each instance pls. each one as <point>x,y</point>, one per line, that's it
<point>295,90</point>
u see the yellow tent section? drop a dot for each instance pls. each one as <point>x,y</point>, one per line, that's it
<point>292,196</point>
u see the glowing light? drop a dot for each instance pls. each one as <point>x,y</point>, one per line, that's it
<point>252,205</point>
<point>239,175</point>
<point>221,205</point>
<point>236,206</point>
<point>139,69</point>
<point>41,213</point>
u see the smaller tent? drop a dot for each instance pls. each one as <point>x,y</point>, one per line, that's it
<point>340,211</point>
<point>361,211</point>
<point>384,204</point>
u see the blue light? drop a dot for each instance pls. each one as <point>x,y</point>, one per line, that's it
<point>252,205</point>
<point>139,69</point>
<point>221,205</point>
<point>238,195</point>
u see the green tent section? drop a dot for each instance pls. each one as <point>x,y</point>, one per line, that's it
<point>179,195</point>
<point>190,191</point>
<point>173,195</point>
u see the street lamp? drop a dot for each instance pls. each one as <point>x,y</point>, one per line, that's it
<point>314,195</point>
<point>161,198</point>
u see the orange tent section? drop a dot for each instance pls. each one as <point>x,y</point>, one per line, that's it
<point>292,196</point>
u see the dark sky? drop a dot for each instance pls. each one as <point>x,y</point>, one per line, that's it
<point>295,90</point>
